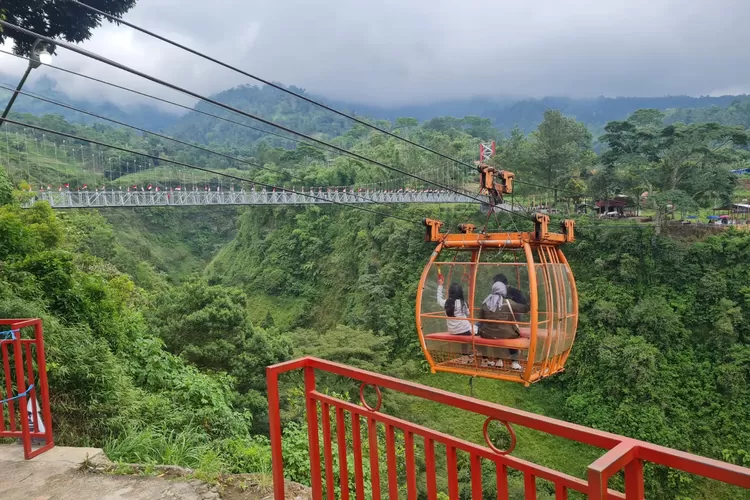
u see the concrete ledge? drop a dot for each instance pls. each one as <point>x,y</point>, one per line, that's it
<point>74,456</point>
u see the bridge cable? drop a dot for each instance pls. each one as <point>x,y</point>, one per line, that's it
<point>172,86</point>
<point>119,20</point>
<point>228,120</point>
<point>202,169</point>
<point>162,136</point>
<point>167,101</point>
<point>187,108</point>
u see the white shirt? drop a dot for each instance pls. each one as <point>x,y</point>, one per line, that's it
<point>456,325</point>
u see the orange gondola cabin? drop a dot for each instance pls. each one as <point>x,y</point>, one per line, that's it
<point>538,329</point>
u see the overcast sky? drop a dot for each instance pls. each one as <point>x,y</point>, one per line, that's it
<point>394,52</point>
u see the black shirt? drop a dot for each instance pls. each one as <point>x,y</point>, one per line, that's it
<point>517,295</point>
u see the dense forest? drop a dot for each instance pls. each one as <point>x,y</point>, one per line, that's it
<point>527,114</point>
<point>160,321</point>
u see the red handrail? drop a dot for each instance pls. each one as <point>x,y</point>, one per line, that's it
<point>622,453</point>
<point>21,379</point>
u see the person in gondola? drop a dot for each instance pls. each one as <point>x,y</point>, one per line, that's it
<point>514,293</point>
<point>456,309</point>
<point>498,307</point>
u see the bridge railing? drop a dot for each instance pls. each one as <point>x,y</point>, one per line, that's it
<point>24,393</point>
<point>101,199</point>
<point>338,426</point>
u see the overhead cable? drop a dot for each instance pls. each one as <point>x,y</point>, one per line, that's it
<point>167,101</point>
<point>119,20</point>
<point>162,136</point>
<point>172,86</point>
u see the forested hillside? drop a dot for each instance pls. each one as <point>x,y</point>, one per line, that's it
<point>504,114</point>
<point>160,322</point>
<point>527,114</point>
<point>736,113</point>
<point>141,112</point>
<point>263,101</point>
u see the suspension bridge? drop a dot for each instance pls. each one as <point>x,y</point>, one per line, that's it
<point>120,198</point>
<point>74,175</point>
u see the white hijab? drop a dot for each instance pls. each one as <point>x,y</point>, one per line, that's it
<point>495,300</point>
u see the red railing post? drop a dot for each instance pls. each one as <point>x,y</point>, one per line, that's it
<point>411,470</point>
<point>476,477</point>
<point>32,393</point>
<point>312,434</point>
<point>390,458</point>
<point>603,468</point>
<point>597,485</point>
<point>634,487</point>
<point>274,423</point>
<point>501,479</point>
<point>22,401</point>
<point>325,413</point>
<point>529,486</point>
<point>341,442</point>
<point>359,481</point>
<point>41,363</point>
<point>430,472</point>
<point>372,436</point>
<point>8,386</point>
<point>452,466</point>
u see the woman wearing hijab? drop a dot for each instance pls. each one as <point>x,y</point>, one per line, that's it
<point>499,308</point>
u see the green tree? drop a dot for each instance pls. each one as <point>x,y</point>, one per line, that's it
<point>406,123</point>
<point>6,188</point>
<point>559,146</point>
<point>480,128</point>
<point>55,19</point>
<point>513,153</point>
<point>208,325</point>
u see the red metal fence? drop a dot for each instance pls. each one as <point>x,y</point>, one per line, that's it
<point>24,397</point>
<point>624,454</point>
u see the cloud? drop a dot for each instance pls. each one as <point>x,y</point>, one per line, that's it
<point>394,52</point>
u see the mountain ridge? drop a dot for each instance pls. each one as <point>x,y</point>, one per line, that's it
<point>505,114</point>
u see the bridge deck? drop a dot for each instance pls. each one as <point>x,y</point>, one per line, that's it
<point>101,199</point>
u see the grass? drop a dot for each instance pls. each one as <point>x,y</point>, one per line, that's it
<point>186,448</point>
<point>285,311</point>
<point>541,448</point>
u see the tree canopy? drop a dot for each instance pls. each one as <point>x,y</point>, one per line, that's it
<point>677,165</point>
<point>55,19</point>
